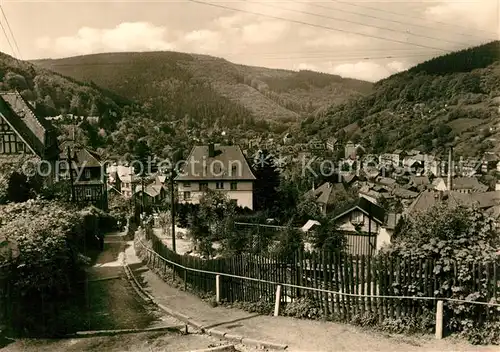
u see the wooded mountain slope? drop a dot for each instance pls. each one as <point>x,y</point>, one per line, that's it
<point>452,100</point>
<point>53,94</point>
<point>202,88</point>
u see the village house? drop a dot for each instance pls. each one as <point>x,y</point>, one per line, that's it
<point>486,201</point>
<point>352,151</point>
<point>490,162</point>
<point>324,195</point>
<point>366,227</point>
<point>460,184</point>
<point>155,193</point>
<point>220,168</point>
<point>332,144</point>
<point>123,179</point>
<point>23,133</point>
<point>389,159</point>
<point>88,174</point>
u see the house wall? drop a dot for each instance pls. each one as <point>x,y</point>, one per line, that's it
<point>10,141</point>
<point>383,237</point>
<point>441,186</point>
<point>347,225</point>
<point>243,194</point>
<point>363,243</point>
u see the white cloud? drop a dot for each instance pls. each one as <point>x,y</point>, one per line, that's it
<point>264,32</point>
<point>205,40</point>
<point>369,71</point>
<point>481,15</point>
<point>127,36</point>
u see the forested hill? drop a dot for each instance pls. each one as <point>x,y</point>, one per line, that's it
<point>452,100</point>
<point>207,90</point>
<point>54,94</point>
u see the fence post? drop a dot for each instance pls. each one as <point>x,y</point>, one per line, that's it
<point>185,279</point>
<point>217,288</point>
<point>439,320</point>
<point>277,302</point>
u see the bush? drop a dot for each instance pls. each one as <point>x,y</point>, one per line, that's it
<point>305,308</point>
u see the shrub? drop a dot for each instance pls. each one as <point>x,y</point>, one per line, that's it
<point>303,308</point>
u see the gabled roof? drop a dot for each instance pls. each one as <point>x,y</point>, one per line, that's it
<point>370,209</point>
<point>81,155</point>
<point>428,199</point>
<point>325,193</point>
<point>420,180</point>
<point>151,190</point>
<point>199,166</point>
<point>468,183</point>
<point>32,129</point>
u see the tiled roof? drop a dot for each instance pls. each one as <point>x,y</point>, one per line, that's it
<point>80,154</point>
<point>229,163</point>
<point>420,180</point>
<point>468,183</point>
<point>325,193</point>
<point>428,199</point>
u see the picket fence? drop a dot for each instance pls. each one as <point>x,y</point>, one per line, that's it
<point>342,286</point>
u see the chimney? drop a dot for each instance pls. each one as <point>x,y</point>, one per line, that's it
<point>211,150</point>
<point>450,169</point>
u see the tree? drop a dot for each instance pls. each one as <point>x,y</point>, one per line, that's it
<point>327,236</point>
<point>267,182</point>
<point>212,221</point>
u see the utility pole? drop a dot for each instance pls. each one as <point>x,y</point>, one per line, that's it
<point>73,197</point>
<point>142,194</point>
<point>172,203</point>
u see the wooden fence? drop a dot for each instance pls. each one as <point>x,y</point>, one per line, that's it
<point>342,286</point>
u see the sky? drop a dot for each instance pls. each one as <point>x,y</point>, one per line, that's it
<point>358,39</point>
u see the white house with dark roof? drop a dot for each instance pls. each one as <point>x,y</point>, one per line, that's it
<point>220,168</point>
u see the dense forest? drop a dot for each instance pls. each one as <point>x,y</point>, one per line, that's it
<point>449,100</point>
<point>174,100</point>
<point>204,88</point>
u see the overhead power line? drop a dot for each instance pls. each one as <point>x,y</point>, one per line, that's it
<point>416,17</point>
<point>8,40</point>
<point>405,23</point>
<point>11,33</point>
<point>318,25</point>
<point>355,22</point>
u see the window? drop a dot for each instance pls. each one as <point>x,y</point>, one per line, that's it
<point>357,217</point>
<point>20,146</point>
<point>87,173</point>
<point>88,193</point>
<point>219,185</point>
<point>234,186</point>
<point>203,186</point>
<point>187,184</point>
<point>187,195</point>
<point>234,201</point>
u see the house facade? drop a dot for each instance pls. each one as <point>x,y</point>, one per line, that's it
<point>88,174</point>
<point>123,179</point>
<point>364,226</point>
<point>23,133</point>
<point>219,168</point>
